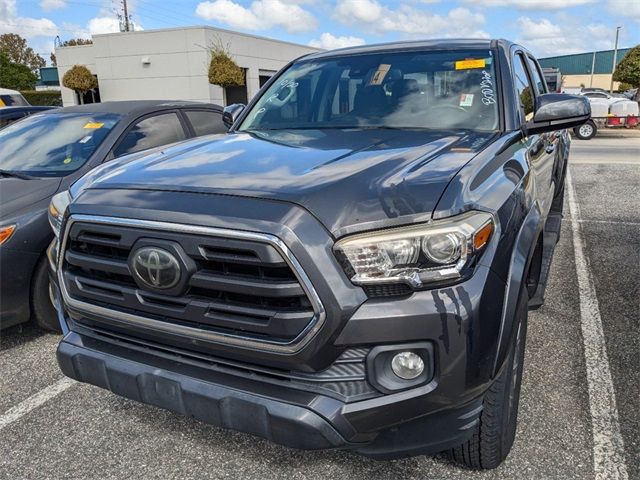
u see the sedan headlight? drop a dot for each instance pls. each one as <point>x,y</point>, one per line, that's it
<point>57,207</point>
<point>6,232</point>
<point>416,255</point>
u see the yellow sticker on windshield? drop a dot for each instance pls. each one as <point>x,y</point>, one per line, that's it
<point>378,77</point>
<point>66,160</point>
<point>94,125</point>
<point>470,63</point>
<point>2,103</point>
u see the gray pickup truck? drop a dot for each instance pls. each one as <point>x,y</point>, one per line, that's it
<point>350,266</point>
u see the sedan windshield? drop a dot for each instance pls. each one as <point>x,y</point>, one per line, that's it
<point>452,89</point>
<point>54,144</point>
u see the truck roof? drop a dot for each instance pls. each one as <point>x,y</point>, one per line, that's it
<point>434,44</point>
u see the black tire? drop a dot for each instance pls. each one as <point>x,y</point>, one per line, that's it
<point>42,310</point>
<point>494,435</point>
<point>586,131</point>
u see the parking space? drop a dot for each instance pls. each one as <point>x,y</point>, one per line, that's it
<point>79,431</point>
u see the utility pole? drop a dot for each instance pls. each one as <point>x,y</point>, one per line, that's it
<point>126,25</point>
<point>593,66</point>
<point>615,58</point>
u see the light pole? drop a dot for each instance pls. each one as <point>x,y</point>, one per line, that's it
<point>615,55</point>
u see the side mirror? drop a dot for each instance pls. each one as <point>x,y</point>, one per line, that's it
<point>231,113</point>
<point>557,111</point>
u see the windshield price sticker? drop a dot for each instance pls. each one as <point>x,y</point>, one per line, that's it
<point>94,125</point>
<point>470,63</point>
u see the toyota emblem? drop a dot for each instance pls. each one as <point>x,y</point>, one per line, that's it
<point>156,267</point>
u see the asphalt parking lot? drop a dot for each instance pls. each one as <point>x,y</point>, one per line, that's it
<point>580,405</point>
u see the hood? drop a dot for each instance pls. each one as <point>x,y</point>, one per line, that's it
<point>343,177</point>
<point>17,194</point>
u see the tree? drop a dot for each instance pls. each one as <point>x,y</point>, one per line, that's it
<point>16,76</point>
<point>628,70</point>
<point>15,48</point>
<point>79,79</point>
<point>70,43</point>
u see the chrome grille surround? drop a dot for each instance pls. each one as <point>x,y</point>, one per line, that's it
<point>292,346</point>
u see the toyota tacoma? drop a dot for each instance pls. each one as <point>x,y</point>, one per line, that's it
<point>349,267</point>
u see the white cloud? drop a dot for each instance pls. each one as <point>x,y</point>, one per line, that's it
<point>330,42</point>
<point>107,22</point>
<point>260,15</point>
<point>533,4</point>
<point>546,38</point>
<point>626,8</point>
<point>11,22</point>
<point>103,24</point>
<point>48,5</point>
<point>374,17</point>
<point>363,11</point>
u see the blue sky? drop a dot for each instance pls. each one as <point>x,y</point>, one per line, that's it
<point>547,27</point>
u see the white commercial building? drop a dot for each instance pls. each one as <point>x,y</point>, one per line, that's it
<point>173,64</point>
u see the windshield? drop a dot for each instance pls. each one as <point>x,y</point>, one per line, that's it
<point>13,100</point>
<point>53,145</point>
<point>417,89</point>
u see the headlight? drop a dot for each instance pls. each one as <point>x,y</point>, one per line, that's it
<point>6,232</point>
<point>57,207</point>
<point>418,254</point>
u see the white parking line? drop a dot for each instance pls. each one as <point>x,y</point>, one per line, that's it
<point>610,222</point>
<point>608,445</point>
<point>34,401</point>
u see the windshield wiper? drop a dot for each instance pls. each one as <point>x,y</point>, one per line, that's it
<point>10,173</point>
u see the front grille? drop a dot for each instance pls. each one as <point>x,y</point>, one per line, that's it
<point>240,288</point>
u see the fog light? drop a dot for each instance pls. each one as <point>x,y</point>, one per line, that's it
<point>407,365</point>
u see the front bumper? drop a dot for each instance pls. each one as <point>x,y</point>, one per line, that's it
<point>285,416</point>
<point>425,419</point>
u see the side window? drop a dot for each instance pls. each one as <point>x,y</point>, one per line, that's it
<point>523,86</point>
<point>537,76</point>
<point>151,132</point>
<point>205,122</point>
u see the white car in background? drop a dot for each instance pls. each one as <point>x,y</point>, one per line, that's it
<point>12,98</point>
<point>600,96</point>
<point>607,111</point>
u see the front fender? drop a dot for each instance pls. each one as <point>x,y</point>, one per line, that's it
<point>521,255</point>
<point>499,180</point>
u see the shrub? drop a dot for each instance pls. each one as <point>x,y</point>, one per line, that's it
<point>79,79</point>
<point>623,87</point>
<point>223,71</point>
<point>50,98</point>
